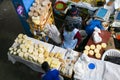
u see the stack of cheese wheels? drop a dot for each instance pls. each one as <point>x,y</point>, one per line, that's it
<point>87,48</point>
<point>92,47</point>
<point>91,52</point>
<point>94,50</point>
<point>97,51</point>
<point>98,55</point>
<point>85,52</point>
<point>104,45</point>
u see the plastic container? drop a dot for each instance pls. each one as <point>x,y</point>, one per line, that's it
<point>111,52</point>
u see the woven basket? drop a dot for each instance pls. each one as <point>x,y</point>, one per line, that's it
<point>111,52</point>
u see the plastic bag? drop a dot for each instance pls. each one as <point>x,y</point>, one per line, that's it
<point>53,33</point>
<point>96,37</point>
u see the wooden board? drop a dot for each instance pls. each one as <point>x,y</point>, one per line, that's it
<point>105,35</point>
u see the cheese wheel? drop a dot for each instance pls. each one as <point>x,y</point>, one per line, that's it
<point>85,52</point>
<point>96,50</point>
<point>21,54</point>
<point>24,36</point>
<point>26,56</point>
<point>20,35</point>
<point>98,46</point>
<point>92,46</point>
<point>104,45</point>
<point>30,14</point>
<point>87,47</point>
<point>91,52</point>
<point>51,54</point>
<point>98,55</point>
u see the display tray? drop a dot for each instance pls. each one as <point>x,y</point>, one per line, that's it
<point>60,50</point>
<point>105,35</point>
<point>46,45</point>
<point>72,55</point>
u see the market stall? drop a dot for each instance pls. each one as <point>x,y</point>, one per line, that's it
<point>40,14</point>
<point>32,53</point>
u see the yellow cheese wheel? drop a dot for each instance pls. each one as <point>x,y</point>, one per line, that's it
<point>98,46</point>
<point>85,52</point>
<point>104,45</point>
<point>87,47</point>
<point>20,35</point>
<point>91,52</point>
<point>92,46</point>
<point>98,55</point>
<point>96,50</point>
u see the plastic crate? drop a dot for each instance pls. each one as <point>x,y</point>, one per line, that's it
<point>111,52</point>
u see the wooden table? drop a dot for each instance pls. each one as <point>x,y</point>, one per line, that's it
<point>106,38</point>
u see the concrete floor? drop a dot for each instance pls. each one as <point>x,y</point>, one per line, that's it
<point>10,27</point>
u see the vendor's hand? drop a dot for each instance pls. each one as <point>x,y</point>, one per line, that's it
<point>76,46</point>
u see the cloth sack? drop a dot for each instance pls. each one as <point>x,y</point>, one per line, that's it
<point>92,69</point>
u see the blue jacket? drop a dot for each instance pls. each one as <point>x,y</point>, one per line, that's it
<point>51,75</point>
<point>90,27</point>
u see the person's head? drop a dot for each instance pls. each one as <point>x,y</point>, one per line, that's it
<point>73,11</point>
<point>45,66</point>
<point>109,2</point>
<point>69,27</point>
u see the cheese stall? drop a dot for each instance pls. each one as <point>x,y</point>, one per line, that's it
<point>33,51</point>
<point>40,14</point>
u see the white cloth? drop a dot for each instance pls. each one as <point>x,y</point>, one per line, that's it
<point>65,1</point>
<point>32,65</point>
<point>110,8</point>
<point>86,5</point>
<point>69,41</point>
<point>103,70</point>
<point>117,4</point>
<point>53,33</point>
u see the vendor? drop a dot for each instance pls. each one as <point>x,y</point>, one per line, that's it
<point>71,37</point>
<point>50,74</point>
<point>73,17</point>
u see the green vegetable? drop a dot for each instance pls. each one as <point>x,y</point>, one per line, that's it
<point>59,6</point>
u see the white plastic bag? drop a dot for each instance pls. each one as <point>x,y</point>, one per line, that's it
<point>96,37</point>
<point>53,33</point>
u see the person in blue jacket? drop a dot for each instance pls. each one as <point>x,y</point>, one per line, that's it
<point>50,74</point>
<point>92,24</point>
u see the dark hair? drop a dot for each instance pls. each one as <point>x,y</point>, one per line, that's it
<point>73,11</point>
<point>45,66</point>
<point>69,27</point>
